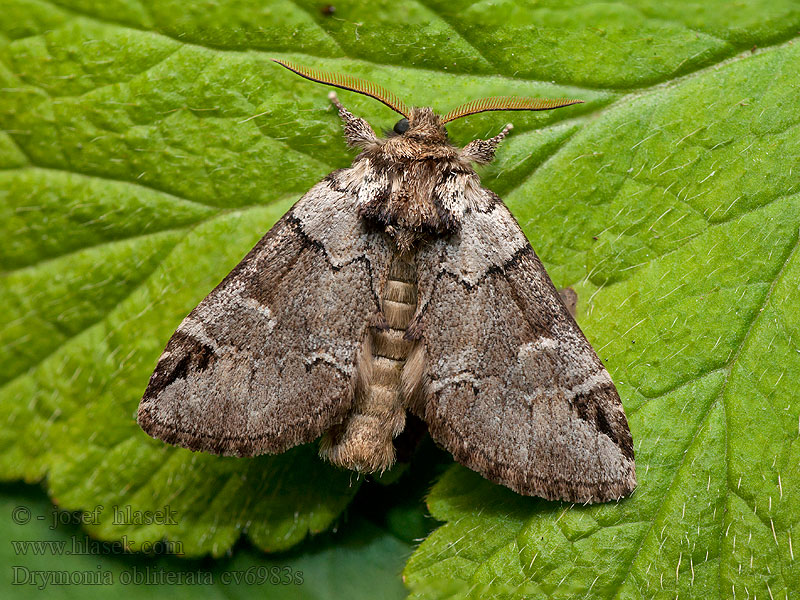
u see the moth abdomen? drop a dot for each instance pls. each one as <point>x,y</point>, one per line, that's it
<point>400,291</point>
<point>391,343</point>
<point>398,314</point>
<point>364,441</point>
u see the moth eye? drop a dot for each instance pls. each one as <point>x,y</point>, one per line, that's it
<point>401,126</point>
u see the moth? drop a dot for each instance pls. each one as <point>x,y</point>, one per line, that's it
<point>398,285</point>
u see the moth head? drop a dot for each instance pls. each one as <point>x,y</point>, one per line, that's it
<point>422,125</point>
<point>419,122</point>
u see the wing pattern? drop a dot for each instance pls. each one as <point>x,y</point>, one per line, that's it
<point>512,388</point>
<point>267,360</point>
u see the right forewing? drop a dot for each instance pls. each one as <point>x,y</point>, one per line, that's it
<point>511,386</point>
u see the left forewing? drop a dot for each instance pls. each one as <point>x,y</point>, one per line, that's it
<point>267,360</point>
<point>511,387</point>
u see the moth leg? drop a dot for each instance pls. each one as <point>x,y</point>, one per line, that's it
<point>570,298</point>
<point>482,151</point>
<point>357,131</point>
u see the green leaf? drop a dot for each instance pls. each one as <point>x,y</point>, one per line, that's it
<point>49,554</point>
<point>676,215</point>
<point>146,146</point>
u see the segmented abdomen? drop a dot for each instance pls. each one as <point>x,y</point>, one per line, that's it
<point>364,440</point>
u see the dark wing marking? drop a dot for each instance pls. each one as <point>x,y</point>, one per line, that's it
<point>266,361</point>
<point>512,387</point>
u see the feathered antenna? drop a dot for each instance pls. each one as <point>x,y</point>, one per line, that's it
<point>506,103</point>
<point>348,82</point>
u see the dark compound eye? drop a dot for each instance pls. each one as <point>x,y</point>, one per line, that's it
<point>401,126</point>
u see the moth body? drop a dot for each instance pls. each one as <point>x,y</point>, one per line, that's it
<point>399,285</point>
<point>413,187</point>
<point>364,440</point>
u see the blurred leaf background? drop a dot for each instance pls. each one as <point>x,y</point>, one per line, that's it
<point>146,145</point>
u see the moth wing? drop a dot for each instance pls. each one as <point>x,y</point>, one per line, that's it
<point>266,361</point>
<point>511,386</point>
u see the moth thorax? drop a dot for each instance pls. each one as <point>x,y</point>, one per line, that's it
<point>364,440</point>
<point>404,240</point>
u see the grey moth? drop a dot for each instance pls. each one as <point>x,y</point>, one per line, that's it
<point>398,285</point>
